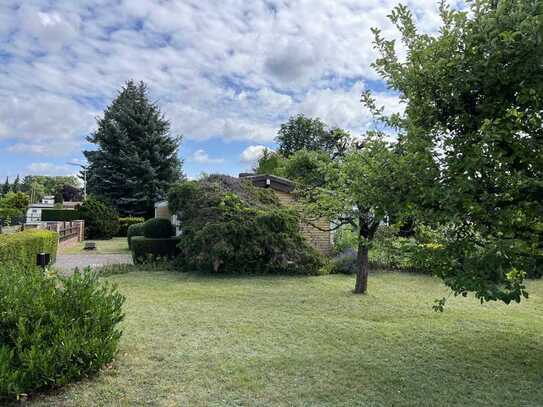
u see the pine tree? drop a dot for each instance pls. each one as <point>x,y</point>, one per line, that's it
<point>16,187</point>
<point>6,188</point>
<point>136,159</point>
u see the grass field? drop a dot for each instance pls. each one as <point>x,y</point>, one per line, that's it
<point>115,245</point>
<point>261,341</point>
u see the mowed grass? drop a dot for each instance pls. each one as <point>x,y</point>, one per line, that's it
<point>308,341</point>
<point>111,246</point>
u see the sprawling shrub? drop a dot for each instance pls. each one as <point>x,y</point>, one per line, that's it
<point>125,223</point>
<point>150,249</point>
<point>158,228</point>
<point>134,230</point>
<point>54,330</point>
<point>11,216</point>
<point>60,215</point>
<point>21,248</point>
<point>345,262</point>
<point>101,220</point>
<point>230,226</point>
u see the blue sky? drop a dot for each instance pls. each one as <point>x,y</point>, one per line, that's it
<point>225,73</point>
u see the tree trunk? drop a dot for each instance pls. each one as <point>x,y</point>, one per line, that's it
<point>361,285</point>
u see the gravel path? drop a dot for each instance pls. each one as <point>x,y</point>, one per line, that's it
<point>67,262</point>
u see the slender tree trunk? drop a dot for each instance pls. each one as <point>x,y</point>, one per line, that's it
<point>361,285</point>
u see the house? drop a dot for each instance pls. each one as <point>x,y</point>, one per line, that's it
<point>318,237</point>
<point>33,213</point>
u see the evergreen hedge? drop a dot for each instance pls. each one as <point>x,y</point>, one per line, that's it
<point>150,249</point>
<point>60,215</point>
<point>125,223</point>
<point>158,228</point>
<point>21,248</point>
<point>54,330</point>
<point>134,230</point>
<point>101,220</point>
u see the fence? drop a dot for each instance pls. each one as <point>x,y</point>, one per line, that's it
<point>67,230</point>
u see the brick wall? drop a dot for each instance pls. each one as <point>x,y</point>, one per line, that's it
<point>320,240</point>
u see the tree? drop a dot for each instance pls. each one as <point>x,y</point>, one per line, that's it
<point>6,188</point>
<point>136,160</point>
<point>71,194</point>
<point>359,189</point>
<point>16,186</point>
<point>473,127</point>
<point>301,132</point>
<point>15,200</point>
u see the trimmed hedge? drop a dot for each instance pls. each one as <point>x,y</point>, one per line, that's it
<point>146,249</point>
<point>125,223</point>
<point>101,220</point>
<point>60,215</point>
<point>134,230</point>
<point>158,228</point>
<point>21,248</point>
<point>54,330</point>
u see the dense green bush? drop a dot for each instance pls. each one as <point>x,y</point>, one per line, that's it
<point>149,249</point>
<point>54,330</point>
<point>344,263</point>
<point>60,215</point>
<point>125,223</point>
<point>158,228</point>
<point>21,248</point>
<point>10,216</point>
<point>231,226</point>
<point>134,230</point>
<point>101,220</point>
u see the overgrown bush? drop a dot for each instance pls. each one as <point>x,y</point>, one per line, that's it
<point>21,248</point>
<point>231,226</point>
<point>125,223</point>
<point>158,228</point>
<point>134,230</point>
<point>60,215</point>
<point>11,216</point>
<point>345,263</point>
<point>150,249</point>
<point>54,330</point>
<point>101,220</point>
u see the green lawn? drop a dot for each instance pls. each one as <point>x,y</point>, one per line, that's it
<point>215,341</point>
<point>115,245</point>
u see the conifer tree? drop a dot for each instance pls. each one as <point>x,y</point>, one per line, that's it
<point>136,160</point>
<point>16,187</point>
<point>6,188</point>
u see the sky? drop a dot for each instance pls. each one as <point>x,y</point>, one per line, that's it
<point>225,73</point>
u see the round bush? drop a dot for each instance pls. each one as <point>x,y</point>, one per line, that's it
<point>158,228</point>
<point>46,336</point>
<point>101,221</point>
<point>125,223</point>
<point>149,250</point>
<point>134,230</point>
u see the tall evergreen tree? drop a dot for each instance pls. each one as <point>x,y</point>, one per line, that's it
<point>6,188</point>
<point>16,187</point>
<point>136,160</point>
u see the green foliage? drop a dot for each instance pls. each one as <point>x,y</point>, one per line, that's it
<point>134,230</point>
<point>146,249</point>
<point>230,226</point>
<point>54,330</point>
<point>9,216</point>
<point>158,228</point>
<point>60,215</point>
<point>473,132</point>
<point>14,200</point>
<point>101,221</point>
<point>125,223</point>
<point>270,162</point>
<point>136,161</point>
<point>21,248</point>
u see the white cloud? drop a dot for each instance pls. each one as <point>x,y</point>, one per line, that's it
<point>200,156</point>
<point>45,168</point>
<point>252,154</point>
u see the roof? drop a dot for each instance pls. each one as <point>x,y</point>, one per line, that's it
<point>161,204</point>
<point>270,181</point>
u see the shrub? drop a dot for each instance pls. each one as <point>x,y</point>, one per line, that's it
<point>150,250</point>
<point>21,248</point>
<point>54,330</point>
<point>231,226</point>
<point>345,263</point>
<point>125,223</point>
<point>101,220</point>
<point>134,230</point>
<point>158,228</point>
<point>60,215</point>
<point>11,216</point>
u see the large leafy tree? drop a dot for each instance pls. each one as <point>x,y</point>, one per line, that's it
<point>473,125</point>
<point>359,189</point>
<point>136,160</point>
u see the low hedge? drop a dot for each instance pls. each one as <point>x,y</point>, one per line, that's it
<point>21,248</point>
<point>54,330</point>
<point>60,215</point>
<point>158,228</point>
<point>125,223</point>
<point>134,230</point>
<point>146,249</point>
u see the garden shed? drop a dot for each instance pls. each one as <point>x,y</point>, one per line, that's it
<point>282,187</point>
